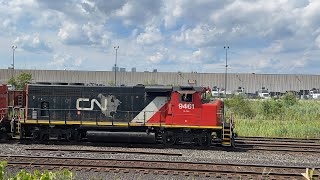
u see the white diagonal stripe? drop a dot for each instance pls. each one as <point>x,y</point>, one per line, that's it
<point>151,109</point>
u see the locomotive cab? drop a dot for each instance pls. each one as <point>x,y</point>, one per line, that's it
<point>189,119</point>
<point>186,107</point>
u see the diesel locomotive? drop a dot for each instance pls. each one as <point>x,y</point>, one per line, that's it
<point>174,115</point>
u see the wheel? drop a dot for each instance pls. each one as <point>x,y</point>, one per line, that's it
<point>73,136</point>
<point>169,138</point>
<point>4,135</point>
<point>44,137</point>
<point>201,140</point>
<point>76,136</point>
<point>35,135</point>
<point>204,139</point>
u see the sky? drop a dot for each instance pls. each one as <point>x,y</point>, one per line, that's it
<point>269,37</point>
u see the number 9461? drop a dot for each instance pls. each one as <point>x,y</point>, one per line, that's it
<point>186,106</point>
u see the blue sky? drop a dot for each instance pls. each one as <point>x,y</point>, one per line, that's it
<point>276,36</point>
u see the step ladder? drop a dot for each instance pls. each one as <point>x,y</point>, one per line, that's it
<point>16,123</point>
<point>226,134</point>
<point>17,133</point>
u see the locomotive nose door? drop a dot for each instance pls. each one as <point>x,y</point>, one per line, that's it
<point>186,109</point>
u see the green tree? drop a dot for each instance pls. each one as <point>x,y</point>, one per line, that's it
<point>150,83</point>
<point>111,83</point>
<point>20,83</point>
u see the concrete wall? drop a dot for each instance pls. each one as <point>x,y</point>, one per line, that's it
<point>251,82</point>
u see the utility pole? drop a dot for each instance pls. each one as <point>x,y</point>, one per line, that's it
<point>225,80</point>
<point>115,65</point>
<point>14,47</point>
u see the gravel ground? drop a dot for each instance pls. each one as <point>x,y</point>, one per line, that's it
<point>214,156</point>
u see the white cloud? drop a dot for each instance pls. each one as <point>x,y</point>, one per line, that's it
<point>71,33</point>
<point>7,27</point>
<point>204,55</point>
<point>66,61</point>
<point>172,12</point>
<point>32,43</point>
<point>86,34</point>
<point>310,14</point>
<point>48,19</point>
<point>150,36</point>
<point>138,12</point>
<point>201,35</point>
<point>158,57</point>
<point>317,41</point>
<point>275,47</point>
<point>60,60</point>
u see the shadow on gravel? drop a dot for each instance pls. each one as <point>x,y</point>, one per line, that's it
<point>136,144</point>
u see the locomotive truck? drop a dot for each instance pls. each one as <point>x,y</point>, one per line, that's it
<point>174,115</point>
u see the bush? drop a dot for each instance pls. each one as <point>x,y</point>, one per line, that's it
<point>271,109</point>
<point>286,108</point>
<point>46,175</point>
<point>240,107</point>
<point>289,99</point>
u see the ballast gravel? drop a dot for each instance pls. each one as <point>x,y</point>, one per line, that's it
<point>190,155</point>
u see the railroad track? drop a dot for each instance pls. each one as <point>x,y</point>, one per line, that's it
<point>278,144</point>
<point>239,147</point>
<point>279,139</point>
<point>214,170</point>
<point>242,144</point>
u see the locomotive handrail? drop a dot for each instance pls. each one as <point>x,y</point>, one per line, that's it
<point>2,117</point>
<point>95,117</point>
<point>3,112</point>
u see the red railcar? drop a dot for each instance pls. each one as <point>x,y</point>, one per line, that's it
<point>3,102</point>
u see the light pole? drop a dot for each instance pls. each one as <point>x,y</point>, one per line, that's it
<point>115,65</point>
<point>225,80</point>
<point>14,47</point>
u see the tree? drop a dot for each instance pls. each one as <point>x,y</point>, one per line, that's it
<point>21,81</point>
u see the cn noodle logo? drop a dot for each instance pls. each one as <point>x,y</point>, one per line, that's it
<point>93,101</point>
<point>107,104</point>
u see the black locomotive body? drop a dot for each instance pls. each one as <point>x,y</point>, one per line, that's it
<point>87,103</point>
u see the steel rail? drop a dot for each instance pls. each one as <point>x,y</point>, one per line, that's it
<point>279,139</point>
<point>172,166</point>
<point>276,149</point>
<point>275,143</point>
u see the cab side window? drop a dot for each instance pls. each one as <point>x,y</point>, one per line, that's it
<point>186,98</point>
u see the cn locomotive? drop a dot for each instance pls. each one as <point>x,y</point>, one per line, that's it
<point>174,115</point>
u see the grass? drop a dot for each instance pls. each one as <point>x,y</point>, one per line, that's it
<point>278,128</point>
<point>285,117</point>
